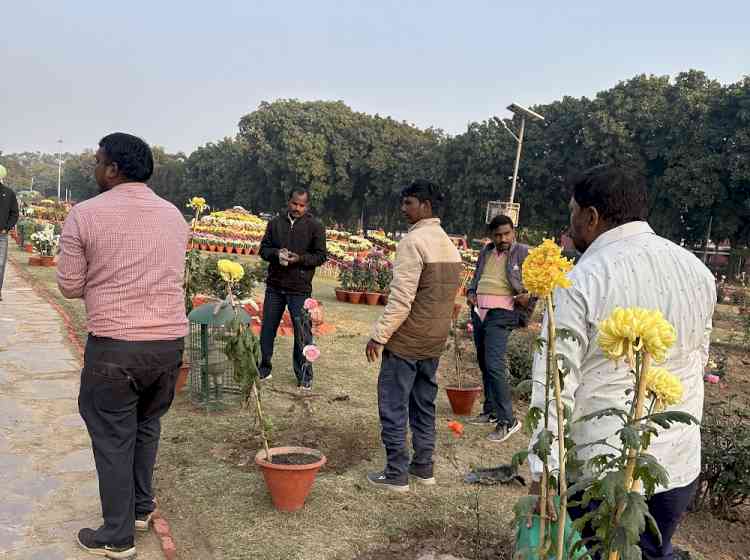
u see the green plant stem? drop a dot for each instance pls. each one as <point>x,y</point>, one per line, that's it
<point>259,411</point>
<point>562,482</point>
<point>545,472</point>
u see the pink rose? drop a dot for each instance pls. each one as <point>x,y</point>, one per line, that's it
<point>311,352</point>
<point>711,378</point>
<point>469,328</point>
<point>310,304</point>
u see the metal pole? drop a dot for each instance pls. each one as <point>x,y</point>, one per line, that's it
<point>708,237</point>
<point>518,159</point>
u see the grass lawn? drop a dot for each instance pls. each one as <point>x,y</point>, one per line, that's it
<point>217,503</point>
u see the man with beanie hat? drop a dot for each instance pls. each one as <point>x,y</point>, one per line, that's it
<point>8,219</point>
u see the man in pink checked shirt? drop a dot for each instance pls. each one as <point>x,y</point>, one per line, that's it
<point>499,303</point>
<point>123,252</point>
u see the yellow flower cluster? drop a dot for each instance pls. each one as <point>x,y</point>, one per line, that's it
<point>635,329</point>
<point>197,203</point>
<point>664,387</point>
<point>545,269</point>
<point>230,271</point>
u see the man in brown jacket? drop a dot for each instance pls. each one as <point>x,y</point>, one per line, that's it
<point>411,333</point>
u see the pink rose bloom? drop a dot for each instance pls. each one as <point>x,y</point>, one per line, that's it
<point>711,378</point>
<point>311,352</point>
<point>310,304</point>
<point>469,328</point>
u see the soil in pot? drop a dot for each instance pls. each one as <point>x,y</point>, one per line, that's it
<point>462,399</point>
<point>294,459</point>
<point>289,484</point>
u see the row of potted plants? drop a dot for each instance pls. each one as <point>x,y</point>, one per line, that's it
<point>220,245</point>
<point>365,281</point>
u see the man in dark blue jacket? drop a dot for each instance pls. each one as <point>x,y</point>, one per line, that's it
<point>8,219</point>
<point>499,303</point>
<point>294,245</point>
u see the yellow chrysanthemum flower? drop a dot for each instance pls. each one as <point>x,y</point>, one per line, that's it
<point>636,329</point>
<point>230,271</point>
<point>664,387</point>
<point>197,203</point>
<point>545,268</point>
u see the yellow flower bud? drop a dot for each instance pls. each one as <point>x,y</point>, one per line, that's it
<point>664,387</point>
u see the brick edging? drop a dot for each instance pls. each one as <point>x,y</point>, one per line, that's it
<point>160,525</point>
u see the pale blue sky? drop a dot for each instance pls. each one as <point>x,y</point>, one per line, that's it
<point>182,73</point>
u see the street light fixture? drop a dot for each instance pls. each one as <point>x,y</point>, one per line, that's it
<point>59,167</point>
<point>524,113</point>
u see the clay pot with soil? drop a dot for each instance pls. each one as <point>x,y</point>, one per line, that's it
<point>460,395</point>
<point>289,474</point>
<point>354,297</point>
<point>340,294</point>
<point>372,298</point>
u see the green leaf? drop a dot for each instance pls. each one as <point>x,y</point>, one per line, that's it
<point>666,419</point>
<point>543,445</point>
<point>603,413</point>
<point>633,517</point>
<point>519,458</point>
<point>629,437</point>
<point>531,421</point>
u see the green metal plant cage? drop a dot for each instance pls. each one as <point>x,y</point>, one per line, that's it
<point>211,379</point>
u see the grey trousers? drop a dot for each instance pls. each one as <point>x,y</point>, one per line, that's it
<point>3,257</point>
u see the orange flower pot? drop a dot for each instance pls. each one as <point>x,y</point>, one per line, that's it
<point>212,247</point>
<point>354,297</point>
<point>372,298</point>
<point>46,260</point>
<point>340,295</point>
<point>28,247</point>
<point>289,485</point>
<point>462,399</point>
<point>182,377</point>
<point>35,260</point>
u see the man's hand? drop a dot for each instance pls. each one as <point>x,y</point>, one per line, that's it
<point>292,258</point>
<point>373,350</point>
<point>535,490</point>
<point>522,299</point>
<point>471,299</point>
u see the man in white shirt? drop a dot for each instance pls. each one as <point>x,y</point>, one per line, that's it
<point>625,264</point>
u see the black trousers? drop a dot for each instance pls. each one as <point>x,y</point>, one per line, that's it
<point>126,387</point>
<point>667,508</point>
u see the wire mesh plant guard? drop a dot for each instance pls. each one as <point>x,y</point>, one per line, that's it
<point>497,207</point>
<point>211,379</point>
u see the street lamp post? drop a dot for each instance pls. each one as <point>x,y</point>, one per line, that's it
<point>59,167</point>
<point>523,112</point>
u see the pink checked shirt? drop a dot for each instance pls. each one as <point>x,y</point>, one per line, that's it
<point>124,253</point>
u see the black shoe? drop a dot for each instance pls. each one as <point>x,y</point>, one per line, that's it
<point>482,419</point>
<point>381,481</point>
<point>306,385</point>
<point>422,475</point>
<point>264,375</point>
<point>89,544</point>
<point>503,432</point>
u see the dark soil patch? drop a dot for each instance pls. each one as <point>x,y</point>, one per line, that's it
<point>294,459</point>
<point>438,539</point>
<point>344,445</point>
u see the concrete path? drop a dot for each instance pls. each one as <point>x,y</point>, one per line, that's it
<point>48,484</point>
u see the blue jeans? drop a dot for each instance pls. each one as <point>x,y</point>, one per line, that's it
<point>406,391</point>
<point>273,311</point>
<point>491,341</point>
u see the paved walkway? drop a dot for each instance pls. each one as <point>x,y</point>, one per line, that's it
<point>48,484</point>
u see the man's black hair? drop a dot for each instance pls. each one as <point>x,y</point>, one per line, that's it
<point>424,191</point>
<point>500,220</point>
<point>617,192</point>
<point>131,154</point>
<point>299,190</point>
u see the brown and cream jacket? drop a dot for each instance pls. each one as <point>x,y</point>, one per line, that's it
<point>426,277</point>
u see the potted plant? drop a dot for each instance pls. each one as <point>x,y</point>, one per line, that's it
<point>460,396</point>
<point>370,284</point>
<point>345,284</point>
<point>45,242</point>
<point>289,472</point>
<point>354,295</point>
<point>384,278</point>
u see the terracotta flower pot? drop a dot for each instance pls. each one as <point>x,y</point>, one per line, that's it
<point>372,298</point>
<point>462,399</point>
<point>35,260</point>
<point>340,294</point>
<point>212,247</point>
<point>289,485</point>
<point>28,247</point>
<point>46,260</point>
<point>182,377</point>
<point>354,297</point>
